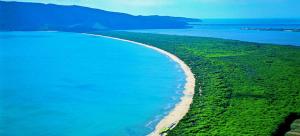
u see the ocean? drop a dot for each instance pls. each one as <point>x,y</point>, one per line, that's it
<point>70,84</point>
<point>272,31</point>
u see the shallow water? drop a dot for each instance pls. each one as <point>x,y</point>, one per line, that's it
<point>67,84</point>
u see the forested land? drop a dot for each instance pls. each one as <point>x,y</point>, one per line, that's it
<point>246,88</point>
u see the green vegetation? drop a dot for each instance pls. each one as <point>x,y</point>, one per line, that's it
<point>247,88</point>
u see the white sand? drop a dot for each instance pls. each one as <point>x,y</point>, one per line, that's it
<point>183,106</point>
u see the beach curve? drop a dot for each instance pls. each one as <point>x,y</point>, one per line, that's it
<point>181,108</point>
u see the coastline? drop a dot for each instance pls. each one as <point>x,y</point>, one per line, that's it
<point>182,107</point>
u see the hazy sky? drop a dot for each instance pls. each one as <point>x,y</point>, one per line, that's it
<point>194,8</point>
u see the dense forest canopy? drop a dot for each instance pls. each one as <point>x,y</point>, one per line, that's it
<point>247,88</point>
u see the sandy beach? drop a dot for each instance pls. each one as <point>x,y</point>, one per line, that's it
<point>181,108</point>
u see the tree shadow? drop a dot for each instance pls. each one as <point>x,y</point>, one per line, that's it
<point>285,126</point>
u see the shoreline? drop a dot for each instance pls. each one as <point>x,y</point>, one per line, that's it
<point>182,107</point>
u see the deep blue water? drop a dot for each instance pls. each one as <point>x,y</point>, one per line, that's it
<point>66,84</point>
<point>234,29</point>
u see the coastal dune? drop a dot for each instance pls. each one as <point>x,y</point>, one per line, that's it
<point>183,106</point>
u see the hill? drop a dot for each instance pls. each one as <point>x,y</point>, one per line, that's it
<point>36,16</point>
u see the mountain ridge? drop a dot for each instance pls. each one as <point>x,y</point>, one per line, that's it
<point>37,16</point>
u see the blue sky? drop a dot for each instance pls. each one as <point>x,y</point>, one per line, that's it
<point>194,8</point>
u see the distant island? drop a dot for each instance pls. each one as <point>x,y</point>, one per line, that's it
<point>274,29</point>
<point>36,16</point>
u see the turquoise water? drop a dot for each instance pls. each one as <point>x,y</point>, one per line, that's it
<point>67,84</point>
<point>235,29</point>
